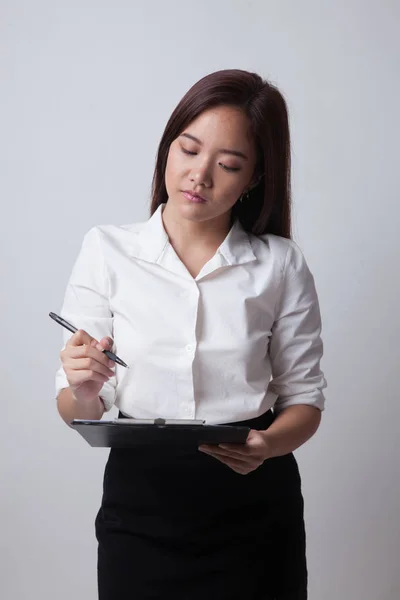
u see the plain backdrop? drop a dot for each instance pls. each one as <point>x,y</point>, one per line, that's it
<point>86,89</point>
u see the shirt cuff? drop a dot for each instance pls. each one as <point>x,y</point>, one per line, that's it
<point>315,398</point>
<point>107,392</point>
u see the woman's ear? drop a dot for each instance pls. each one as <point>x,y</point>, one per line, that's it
<point>255,181</point>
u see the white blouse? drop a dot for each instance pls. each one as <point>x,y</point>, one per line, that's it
<point>240,338</point>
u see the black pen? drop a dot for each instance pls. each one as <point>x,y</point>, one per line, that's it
<point>73,329</point>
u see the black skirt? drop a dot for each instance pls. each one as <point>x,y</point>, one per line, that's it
<point>176,524</point>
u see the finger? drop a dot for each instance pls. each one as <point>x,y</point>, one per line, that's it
<point>90,351</point>
<point>88,364</point>
<point>248,463</point>
<point>80,338</point>
<point>249,455</point>
<point>233,464</point>
<point>106,343</point>
<point>253,440</point>
<point>77,378</point>
<point>216,451</point>
<point>240,468</point>
<point>236,449</point>
<point>73,352</point>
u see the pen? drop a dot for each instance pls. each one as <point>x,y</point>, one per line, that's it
<point>73,329</point>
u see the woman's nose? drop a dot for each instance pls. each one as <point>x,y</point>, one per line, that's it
<point>201,176</point>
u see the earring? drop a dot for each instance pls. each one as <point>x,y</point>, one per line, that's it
<point>242,196</point>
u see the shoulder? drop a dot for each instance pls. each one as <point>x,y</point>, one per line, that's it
<point>111,235</point>
<point>285,252</point>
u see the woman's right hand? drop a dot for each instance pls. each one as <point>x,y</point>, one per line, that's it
<point>86,366</point>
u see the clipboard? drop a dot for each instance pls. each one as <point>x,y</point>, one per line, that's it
<point>131,433</point>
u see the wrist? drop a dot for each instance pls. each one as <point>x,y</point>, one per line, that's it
<point>270,444</point>
<point>291,429</point>
<point>88,408</point>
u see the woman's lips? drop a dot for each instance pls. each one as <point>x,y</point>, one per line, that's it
<point>194,198</point>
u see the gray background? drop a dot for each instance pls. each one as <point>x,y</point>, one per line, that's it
<point>86,89</point>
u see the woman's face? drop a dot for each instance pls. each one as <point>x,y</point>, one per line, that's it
<point>210,164</point>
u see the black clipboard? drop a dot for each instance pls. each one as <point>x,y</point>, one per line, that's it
<point>130,433</point>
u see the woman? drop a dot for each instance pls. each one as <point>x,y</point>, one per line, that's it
<point>215,311</point>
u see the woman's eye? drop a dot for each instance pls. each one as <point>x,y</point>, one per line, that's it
<point>188,152</point>
<point>231,169</point>
<point>224,167</point>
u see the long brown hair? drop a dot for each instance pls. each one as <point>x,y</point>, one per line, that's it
<point>267,209</point>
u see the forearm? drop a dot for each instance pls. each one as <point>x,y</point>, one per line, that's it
<point>292,428</point>
<point>70,408</point>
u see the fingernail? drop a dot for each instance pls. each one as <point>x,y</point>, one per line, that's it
<point>111,363</point>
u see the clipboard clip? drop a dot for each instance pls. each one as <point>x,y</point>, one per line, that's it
<point>158,422</point>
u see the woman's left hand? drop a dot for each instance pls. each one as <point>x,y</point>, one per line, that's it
<point>242,458</point>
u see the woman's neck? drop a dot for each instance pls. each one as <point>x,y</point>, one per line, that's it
<point>186,235</point>
<point>194,242</point>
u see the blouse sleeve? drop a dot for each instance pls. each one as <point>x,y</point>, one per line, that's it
<point>296,347</point>
<point>86,304</point>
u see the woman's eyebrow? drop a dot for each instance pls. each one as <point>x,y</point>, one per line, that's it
<point>222,150</point>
